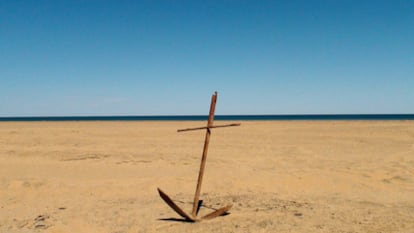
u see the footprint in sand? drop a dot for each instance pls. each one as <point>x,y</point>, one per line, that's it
<point>42,222</point>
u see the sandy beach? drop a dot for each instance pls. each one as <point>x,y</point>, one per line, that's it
<point>280,176</point>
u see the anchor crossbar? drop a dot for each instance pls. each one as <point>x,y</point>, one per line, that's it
<point>208,127</point>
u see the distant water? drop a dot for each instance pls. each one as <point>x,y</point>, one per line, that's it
<point>219,117</point>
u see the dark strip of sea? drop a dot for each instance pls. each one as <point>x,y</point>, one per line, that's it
<point>311,117</point>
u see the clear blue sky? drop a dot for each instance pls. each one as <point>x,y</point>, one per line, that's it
<point>168,57</point>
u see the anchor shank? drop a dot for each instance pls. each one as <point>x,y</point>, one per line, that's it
<point>204,157</point>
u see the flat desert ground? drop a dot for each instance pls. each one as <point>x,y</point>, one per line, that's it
<point>280,176</point>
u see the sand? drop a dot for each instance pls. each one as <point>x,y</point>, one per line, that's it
<point>281,176</point>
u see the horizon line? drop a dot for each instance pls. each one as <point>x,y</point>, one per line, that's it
<point>202,115</point>
<point>268,117</point>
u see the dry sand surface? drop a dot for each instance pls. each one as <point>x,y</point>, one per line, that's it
<point>281,176</point>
